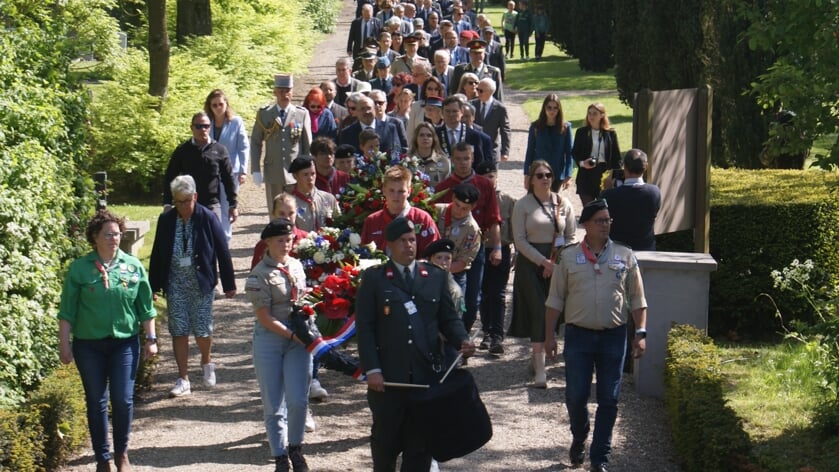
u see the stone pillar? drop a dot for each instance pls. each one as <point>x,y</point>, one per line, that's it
<point>676,285</point>
<point>132,239</point>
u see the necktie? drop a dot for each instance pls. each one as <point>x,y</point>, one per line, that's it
<point>282,114</point>
<point>364,31</point>
<point>452,137</point>
<point>482,111</point>
<point>409,279</point>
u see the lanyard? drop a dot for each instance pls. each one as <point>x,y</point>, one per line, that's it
<point>552,216</point>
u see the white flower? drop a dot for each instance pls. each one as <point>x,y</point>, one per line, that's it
<point>304,243</point>
<point>319,257</point>
<point>355,240</point>
<point>338,257</point>
<point>371,246</point>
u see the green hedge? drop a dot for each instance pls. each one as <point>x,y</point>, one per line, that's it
<point>707,433</point>
<point>760,221</point>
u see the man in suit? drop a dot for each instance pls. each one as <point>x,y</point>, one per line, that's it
<point>492,116</point>
<point>380,107</point>
<point>361,28</point>
<point>345,84</point>
<point>284,132</point>
<point>402,308</point>
<point>494,55</point>
<point>386,130</point>
<point>477,66</point>
<point>443,71</point>
<point>634,205</point>
<point>453,131</point>
<point>329,92</point>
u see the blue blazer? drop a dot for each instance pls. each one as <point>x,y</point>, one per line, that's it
<point>209,247</point>
<point>326,126</point>
<point>388,136</point>
<point>235,138</point>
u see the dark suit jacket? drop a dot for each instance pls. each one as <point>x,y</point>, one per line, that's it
<point>485,70</point>
<point>496,125</point>
<point>633,209</point>
<point>354,40</point>
<point>472,136</point>
<point>383,321</point>
<point>339,112</point>
<point>209,249</point>
<point>400,132</point>
<point>495,56</point>
<point>388,136</point>
<point>446,78</point>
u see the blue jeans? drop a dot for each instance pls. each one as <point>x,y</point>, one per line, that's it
<point>284,371</point>
<point>472,295</point>
<point>108,366</point>
<point>602,351</point>
<point>494,293</point>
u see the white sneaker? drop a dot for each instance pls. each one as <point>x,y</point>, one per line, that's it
<point>182,387</point>
<point>317,392</point>
<point>209,374</point>
<point>310,421</point>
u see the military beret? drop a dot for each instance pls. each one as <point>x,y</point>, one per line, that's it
<point>396,228</point>
<point>485,167</point>
<point>434,101</point>
<point>383,63</point>
<point>441,245</point>
<point>466,193</point>
<point>344,151</point>
<point>277,227</point>
<point>371,43</point>
<point>591,208</point>
<point>418,34</point>
<point>300,163</point>
<point>466,34</point>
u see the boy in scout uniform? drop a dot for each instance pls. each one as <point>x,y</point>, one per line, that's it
<point>283,131</point>
<point>455,222</point>
<point>402,307</point>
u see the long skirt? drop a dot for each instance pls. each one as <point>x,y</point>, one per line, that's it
<point>530,289</point>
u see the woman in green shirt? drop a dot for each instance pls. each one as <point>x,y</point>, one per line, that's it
<point>106,297</point>
<point>508,23</point>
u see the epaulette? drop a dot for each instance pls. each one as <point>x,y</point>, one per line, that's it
<point>299,107</point>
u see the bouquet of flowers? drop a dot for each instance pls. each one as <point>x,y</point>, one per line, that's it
<point>324,252</point>
<point>363,195</point>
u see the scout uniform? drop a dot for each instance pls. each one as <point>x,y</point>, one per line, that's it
<point>437,167</point>
<point>283,134</point>
<point>465,232</point>
<point>315,209</point>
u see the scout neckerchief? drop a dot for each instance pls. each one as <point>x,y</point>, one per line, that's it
<point>291,280</point>
<point>104,271</point>
<point>311,202</point>
<point>463,180</point>
<point>325,181</point>
<point>590,257</point>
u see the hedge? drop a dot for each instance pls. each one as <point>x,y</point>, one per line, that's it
<point>707,433</point>
<point>760,221</point>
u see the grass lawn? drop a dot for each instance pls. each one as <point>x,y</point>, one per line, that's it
<point>774,389</point>
<point>574,108</point>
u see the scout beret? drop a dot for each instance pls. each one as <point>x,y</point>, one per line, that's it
<point>441,245</point>
<point>485,167</point>
<point>344,151</point>
<point>466,193</point>
<point>300,163</point>
<point>383,63</point>
<point>283,81</point>
<point>434,101</point>
<point>277,227</point>
<point>396,228</point>
<point>591,208</point>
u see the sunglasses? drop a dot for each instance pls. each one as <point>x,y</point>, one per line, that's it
<point>201,126</point>
<point>543,175</point>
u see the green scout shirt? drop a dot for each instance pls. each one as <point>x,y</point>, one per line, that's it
<point>95,312</point>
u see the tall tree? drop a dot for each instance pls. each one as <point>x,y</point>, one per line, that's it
<point>194,19</point>
<point>158,49</point>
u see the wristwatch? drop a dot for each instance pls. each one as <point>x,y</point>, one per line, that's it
<point>641,333</point>
<point>151,339</point>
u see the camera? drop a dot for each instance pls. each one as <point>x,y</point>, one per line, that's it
<point>592,161</point>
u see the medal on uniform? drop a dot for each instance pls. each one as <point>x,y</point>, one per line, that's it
<point>386,309</point>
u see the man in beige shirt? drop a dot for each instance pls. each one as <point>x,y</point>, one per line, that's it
<point>596,284</point>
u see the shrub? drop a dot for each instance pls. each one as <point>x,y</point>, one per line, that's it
<point>20,450</point>
<point>707,433</point>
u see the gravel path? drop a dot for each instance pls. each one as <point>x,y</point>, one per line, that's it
<point>221,429</point>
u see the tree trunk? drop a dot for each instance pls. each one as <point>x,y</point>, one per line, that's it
<point>158,49</point>
<point>194,19</point>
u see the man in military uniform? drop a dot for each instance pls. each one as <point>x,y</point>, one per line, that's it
<point>402,307</point>
<point>283,131</point>
<point>477,66</point>
<point>455,222</point>
<point>597,284</point>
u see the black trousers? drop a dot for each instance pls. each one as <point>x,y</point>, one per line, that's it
<point>395,431</point>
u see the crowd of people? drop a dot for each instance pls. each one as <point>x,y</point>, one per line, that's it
<point>423,80</point>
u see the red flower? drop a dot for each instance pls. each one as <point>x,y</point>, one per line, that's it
<point>336,308</point>
<point>376,204</point>
<point>315,272</point>
<point>308,310</point>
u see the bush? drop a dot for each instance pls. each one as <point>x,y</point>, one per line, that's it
<point>20,434</point>
<point>707,433</point>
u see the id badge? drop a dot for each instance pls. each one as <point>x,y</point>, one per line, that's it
<point>410,307</point>
<point>185,261</point>
<point>559,241</point>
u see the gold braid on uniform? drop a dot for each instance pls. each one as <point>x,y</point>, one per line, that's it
<point>267,132</point>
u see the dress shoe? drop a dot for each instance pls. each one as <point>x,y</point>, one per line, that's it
<point>598,468</point>
<point>577,453</point>
<point>485,343</point>
<point>495,346</point>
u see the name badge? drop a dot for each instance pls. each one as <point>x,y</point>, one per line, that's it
<point>185,261</point>
<point>412,309</point>
<point>559,241</point>
<point>581,258</point>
